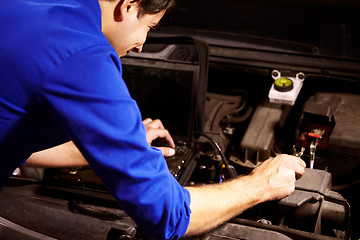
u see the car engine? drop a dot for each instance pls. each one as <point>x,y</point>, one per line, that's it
<point>320,127</point>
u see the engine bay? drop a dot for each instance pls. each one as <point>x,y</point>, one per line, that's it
<point>320,126</point>
<point>260,101</point>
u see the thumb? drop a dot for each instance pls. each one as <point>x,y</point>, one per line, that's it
<point>167,152</point>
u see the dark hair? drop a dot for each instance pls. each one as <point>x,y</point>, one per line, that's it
<point>154,6</point>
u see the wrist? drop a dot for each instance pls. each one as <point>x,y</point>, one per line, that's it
<point>258,191</point>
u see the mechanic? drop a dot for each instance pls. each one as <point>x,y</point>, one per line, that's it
<point>63,98</point>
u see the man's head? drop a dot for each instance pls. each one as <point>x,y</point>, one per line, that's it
<point>126,22</point>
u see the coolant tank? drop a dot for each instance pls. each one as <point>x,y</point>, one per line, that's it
<point>285,89</point>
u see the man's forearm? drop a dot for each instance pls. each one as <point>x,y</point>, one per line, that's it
<point>64,155</point>
<point>212,205</point>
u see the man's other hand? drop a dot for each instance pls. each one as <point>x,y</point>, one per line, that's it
<point>154,130</point>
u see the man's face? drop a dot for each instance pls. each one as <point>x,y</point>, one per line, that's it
<point>129,32</point>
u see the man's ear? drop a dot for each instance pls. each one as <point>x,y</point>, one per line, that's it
<point>124,7</point>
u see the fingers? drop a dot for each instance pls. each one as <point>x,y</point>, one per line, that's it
<point>155,129</point>
<point>154,133</point>
<point>167,152</point>
<point>294,165</point>
<point>146,121</point>
<point>297,165</point>
<point>300,161</point>
<point>299,169</point>
<point>149,123</point>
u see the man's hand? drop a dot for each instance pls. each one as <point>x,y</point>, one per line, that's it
<point>154,130</point>
<point>278,176</point>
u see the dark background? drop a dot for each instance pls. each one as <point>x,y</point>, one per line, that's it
<point>322,28</point>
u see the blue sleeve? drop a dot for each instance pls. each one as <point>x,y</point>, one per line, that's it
<point>88,98</point>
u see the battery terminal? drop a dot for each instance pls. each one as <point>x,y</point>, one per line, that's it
<point>317,134</point>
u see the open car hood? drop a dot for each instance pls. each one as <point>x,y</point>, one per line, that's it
<point>316,28</point>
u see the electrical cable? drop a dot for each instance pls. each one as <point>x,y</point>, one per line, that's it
<point>230,171</point>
